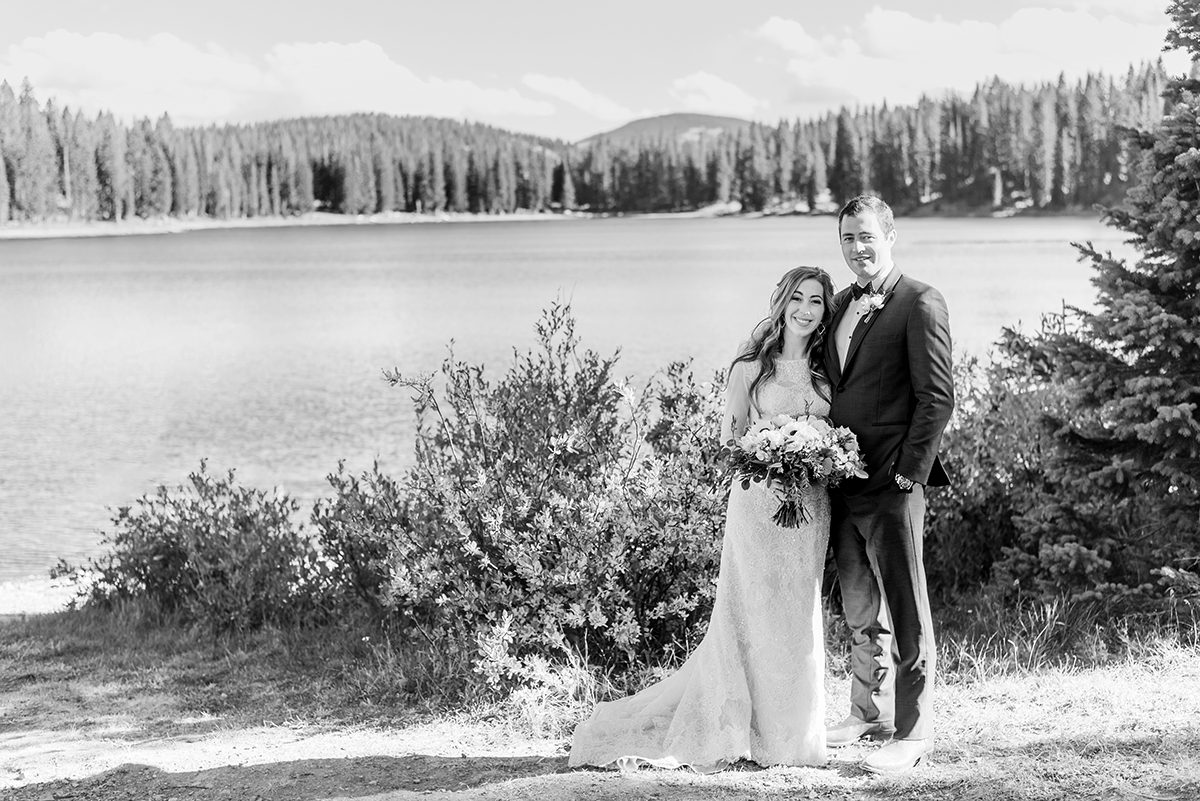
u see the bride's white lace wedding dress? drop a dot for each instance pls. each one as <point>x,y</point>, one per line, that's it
<point>753,689</point>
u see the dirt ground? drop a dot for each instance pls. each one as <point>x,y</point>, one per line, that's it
<point>72,729</point>
<point>106,759</point>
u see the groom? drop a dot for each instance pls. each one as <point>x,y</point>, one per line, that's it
<point>889,366</point>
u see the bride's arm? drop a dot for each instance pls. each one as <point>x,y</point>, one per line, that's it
<point>737,403</point>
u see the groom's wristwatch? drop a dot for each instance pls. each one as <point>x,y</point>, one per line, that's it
<point>905,484</point>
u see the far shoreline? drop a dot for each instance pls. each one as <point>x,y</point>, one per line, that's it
<point>74,229</point>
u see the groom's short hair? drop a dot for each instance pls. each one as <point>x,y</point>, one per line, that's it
<point>869,203</point>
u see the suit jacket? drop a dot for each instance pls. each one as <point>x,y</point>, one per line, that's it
<point>896,389</point>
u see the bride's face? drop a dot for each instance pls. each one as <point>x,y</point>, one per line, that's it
<point>805,309</point>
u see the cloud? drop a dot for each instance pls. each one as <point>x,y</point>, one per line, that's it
<point>334,78</point>
<point>710,94</point>
<point>576,94</point>
<point>1135,11</point>
<point>795,38</point>
<point>132,77</point>
<point>198,84</point>
<point>896,56</point>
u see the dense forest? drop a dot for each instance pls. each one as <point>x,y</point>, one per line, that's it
<point>1057,145</point>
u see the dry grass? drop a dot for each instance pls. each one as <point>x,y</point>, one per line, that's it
<point>109,706</point>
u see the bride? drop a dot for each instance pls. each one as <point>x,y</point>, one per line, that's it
<point>753,687</point>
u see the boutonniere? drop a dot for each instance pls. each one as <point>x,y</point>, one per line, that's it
<point>873,303</point>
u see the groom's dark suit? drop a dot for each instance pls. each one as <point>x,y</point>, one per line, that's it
<point>895,391</point>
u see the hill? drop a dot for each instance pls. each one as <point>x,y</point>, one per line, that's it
<point>681,126</point>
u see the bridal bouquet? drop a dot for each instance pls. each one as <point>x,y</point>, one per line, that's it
<point>792,454</point>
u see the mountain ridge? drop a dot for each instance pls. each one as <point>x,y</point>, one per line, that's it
<point>681,125</point>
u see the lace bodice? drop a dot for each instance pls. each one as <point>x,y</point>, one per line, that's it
<point>789,391</point>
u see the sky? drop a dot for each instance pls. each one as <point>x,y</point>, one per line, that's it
<point>555,68</point>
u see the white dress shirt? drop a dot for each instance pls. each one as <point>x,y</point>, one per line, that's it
<point>854,313</point>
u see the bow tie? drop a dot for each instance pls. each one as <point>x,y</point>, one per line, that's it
<point>858,291</point>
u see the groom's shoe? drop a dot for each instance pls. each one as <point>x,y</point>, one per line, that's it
<point>898,756</point>
<point>853,729</point>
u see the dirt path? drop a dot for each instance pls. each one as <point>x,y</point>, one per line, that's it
<point>94,743</point>
<point>71,728</point>
<point>86,740</point>
<point>438,761</point>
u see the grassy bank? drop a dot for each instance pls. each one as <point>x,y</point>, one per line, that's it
<point>111,705</point>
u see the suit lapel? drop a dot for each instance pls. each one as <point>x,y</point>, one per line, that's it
<point>860,331</point>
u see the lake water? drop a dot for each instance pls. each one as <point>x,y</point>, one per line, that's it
<point>125,360</point>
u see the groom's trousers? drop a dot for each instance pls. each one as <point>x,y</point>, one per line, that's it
<point>877,543</point>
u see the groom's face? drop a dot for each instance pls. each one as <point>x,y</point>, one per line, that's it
<point>866,247</point>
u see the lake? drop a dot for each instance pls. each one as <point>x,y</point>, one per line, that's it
<point>125,360</point>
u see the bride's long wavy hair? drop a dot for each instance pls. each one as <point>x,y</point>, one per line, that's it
<point>766,341</point>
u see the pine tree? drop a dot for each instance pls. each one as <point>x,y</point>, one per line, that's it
<point>1022,144</point>
<point>566,197</point>
<point>1044,147</point>
<point>111,171</point>
<point>954,156</point>
<point>818,181</point>
<point>802,165</point>
<point>1066,151</point>
<point>926,135</point>
<point>58,135</point>
<point>845,175</point>
<point>80,151</point>
<point>889,159</point>
<point>381,167</point>
<point>754,174</point>
<point>35,183</point>
<point>785,160</point>
<point>302,199</point>
<point>4,190</point>
<point>1095,173</point>
<point>12,143</point>
<point>456,179</point>
<point>722,174</point>
<point>436,200</point>
<point>150,171</point>
<point>1120,504</point>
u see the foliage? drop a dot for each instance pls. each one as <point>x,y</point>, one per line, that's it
<point>1119,502</point>
<point>554,510</point>
<point>217,554</point>
<point>355,532</point>
<point>551,509</point>
<point>993,448</point>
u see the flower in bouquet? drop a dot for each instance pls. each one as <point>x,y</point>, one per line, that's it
<point>792,454</point>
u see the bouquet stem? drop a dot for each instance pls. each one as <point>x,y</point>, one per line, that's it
<point>791,513</point>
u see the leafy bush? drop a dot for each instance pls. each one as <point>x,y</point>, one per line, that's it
<point>355,532</point>
<point>554,509</point>
<point>995,448</point>
<point>217,554</point>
